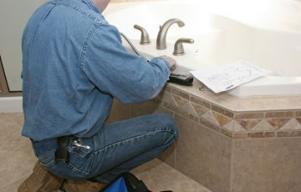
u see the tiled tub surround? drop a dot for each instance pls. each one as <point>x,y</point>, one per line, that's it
<point>253,117</point>
<point>231,144</point>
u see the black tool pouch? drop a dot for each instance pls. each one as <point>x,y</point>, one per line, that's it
<point>62,154</point>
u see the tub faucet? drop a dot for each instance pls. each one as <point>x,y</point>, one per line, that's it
<point>144,35</point>
<point>179,48</point>
<point>161,38</point>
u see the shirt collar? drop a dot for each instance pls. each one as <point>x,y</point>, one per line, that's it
<point>92,6</point>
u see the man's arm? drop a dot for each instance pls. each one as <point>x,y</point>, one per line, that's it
<point>114,70</point>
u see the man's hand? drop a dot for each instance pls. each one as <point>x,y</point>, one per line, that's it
<point>172,63</point>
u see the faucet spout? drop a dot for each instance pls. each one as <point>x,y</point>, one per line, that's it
<point>161,38</point>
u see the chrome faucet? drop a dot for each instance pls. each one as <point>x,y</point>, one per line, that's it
<point>179,48</point>
<point>161,38</point>
<point>144,35</point>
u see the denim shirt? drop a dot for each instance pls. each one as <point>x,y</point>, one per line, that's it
<point>74,64</point>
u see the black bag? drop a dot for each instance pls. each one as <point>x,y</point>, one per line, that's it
<point>127,182</point>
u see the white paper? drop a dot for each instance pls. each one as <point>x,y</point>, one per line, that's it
<point>226,77</point>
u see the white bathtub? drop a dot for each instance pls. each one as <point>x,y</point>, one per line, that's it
<point>266,33</point>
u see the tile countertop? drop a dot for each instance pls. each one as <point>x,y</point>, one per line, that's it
<point>242,104</point>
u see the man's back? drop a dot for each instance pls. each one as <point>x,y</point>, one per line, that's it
<point>73,66</point>
<point>56,91</point>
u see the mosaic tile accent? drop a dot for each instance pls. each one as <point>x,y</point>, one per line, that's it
<point>289,134</point>
<point>298,119</point>
<point>222,111</point>
<point>233,126</point>
<point>248,124</point>
<point>199,101</point>
<point>264,125</point>
<point>200,109</point>
<point>293,124</point>
<point>221,119</point>
<point>282,114</point>
<point>261,134</point>
<point>209,116</point>
<point>277,123</point>
<point>251,115</point>
<point>237,125</point>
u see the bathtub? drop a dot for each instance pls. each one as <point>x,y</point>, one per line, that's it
<point>265,33</point>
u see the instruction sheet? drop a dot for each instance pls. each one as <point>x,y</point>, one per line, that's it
<point>227,77</point>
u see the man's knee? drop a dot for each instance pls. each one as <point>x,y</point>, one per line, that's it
<point>168,123</point>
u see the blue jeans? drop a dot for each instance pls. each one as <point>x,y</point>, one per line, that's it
<point>119,147</point>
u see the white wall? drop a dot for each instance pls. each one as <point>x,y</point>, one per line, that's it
<point>13,17</point>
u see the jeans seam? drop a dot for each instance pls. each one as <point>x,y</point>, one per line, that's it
<point>74,168</point>
<point>133,138</point>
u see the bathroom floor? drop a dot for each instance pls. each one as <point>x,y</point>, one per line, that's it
<point>17,160</point>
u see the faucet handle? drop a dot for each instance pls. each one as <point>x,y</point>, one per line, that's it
<point>179,48</point>
<point>144,35</point>
<point>161,38</point>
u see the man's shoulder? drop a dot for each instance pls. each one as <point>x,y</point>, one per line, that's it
<point>78,12</point>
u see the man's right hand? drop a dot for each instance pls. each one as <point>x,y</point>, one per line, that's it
<point>171,62</point>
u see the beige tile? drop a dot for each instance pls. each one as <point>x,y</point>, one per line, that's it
<point>248,124</point>
<point>222,111</point>
<point>18,164</point>
<point>13,187</point>
<point>263,126</point>
<point>200,109</point>
<point>17,158</point>
<point>293,124</point>
<point>119,111</point>
<point>266,165</point>
<point>168,100</point>
<point>262,134</point>
<point>221,119</point>
<point>162,109</point>
<point>169,156</point>
<point>287,114</point>
<point>251,115</point>
<point>234,130</point>
<point>277,123</point>
<point>293,133</point>
<point>209,116</point>
<point>183,105</point>
<point>181,93</point>
<point>204,155</point>
<point>199,101</point>
<point>298,119</point>
<point>143,108</point>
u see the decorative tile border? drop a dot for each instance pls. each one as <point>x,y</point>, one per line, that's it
<point>236,125</point>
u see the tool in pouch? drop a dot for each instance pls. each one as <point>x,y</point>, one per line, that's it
<point>62,152</point>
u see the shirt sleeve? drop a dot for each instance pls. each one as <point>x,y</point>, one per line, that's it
<point>116,71</point>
